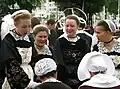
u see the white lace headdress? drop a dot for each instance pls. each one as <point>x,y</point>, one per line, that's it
<point>7,25</point>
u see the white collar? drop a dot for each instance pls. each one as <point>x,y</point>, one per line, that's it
<point>17,37</point>
<point>102,81</point>
<point>46,50</point>
<point>51,80</point>
<point>72,40</point>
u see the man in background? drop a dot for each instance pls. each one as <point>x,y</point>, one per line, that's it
<point>52,32</point>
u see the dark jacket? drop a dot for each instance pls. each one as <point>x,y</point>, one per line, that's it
<point>52,85</point>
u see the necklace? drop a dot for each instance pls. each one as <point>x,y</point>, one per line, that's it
<point>109,41</point>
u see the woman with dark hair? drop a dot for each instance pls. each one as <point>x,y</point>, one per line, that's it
<point>107,43</point>
<point>69,50</point>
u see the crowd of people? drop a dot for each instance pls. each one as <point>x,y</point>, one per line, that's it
<point>33,56</point>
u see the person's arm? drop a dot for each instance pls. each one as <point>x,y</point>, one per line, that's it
<point>3,54</point>
<point>58,53</point>
<point>60,61</point>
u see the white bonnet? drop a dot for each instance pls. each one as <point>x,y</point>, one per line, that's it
<point>111,25</point>
<point>7,25</point>
<point>94,62</point>
<point>45,66</point>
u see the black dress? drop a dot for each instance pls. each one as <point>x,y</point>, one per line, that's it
<point>69,55</point>
<point>88,38</point>
<point>11,61</point>
<point>36,57</point>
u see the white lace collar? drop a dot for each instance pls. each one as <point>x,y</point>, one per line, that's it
<point>70,39</point>
<point>46,50</point>
<point>17,37</point>
<point>102,48</point>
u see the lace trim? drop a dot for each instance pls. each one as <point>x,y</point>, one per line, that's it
<point>46,50</point>
<point>102,48</point>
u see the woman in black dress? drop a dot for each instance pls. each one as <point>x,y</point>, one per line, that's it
<point>69,50</point>
<point>41,49</point>
<point>16,52</point>
<point>107,43</point>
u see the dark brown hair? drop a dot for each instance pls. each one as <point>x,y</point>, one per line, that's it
<point>39,28</point>
<point>74,18</point>
<point>104,24</point>
<point>50,21</point>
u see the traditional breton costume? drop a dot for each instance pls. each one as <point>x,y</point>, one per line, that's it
<point>46,52</point>
<point>16,52</point>
<point>114,53</point>
<point>43,67</point>
<point>104,68</point>
<point>69,52</point>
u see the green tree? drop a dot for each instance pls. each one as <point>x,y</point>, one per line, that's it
<point>112,7</point>
<point>29,4</point>
<point>63,4</point>
<point>3,8</point>
<point>24,4</point>
<point>88,6</point>
<point>91,7</point>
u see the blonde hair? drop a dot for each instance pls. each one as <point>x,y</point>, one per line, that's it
<point>21,14</point>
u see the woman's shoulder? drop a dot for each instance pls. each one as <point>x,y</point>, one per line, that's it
<point>8,41</point>
<point>53,85</point>
<point>9,37</point>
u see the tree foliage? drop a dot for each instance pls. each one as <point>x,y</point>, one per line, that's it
<point>112,6</point>
<point>88,6</point>
<point>3,8</point>
<point>23,4</point>
<point>94,6</point>
<point>63,4</point>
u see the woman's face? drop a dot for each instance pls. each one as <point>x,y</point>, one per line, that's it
<point>71,27</point>
<point>23,26</point>
<point>41,38</point>
<point>102,34</point>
